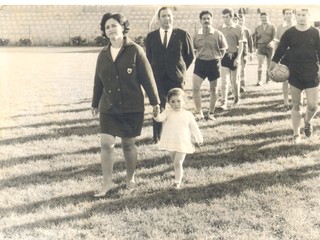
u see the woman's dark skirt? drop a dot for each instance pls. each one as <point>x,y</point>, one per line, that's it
<point>126,125</point>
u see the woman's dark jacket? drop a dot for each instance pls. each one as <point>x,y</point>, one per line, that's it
<point>117,84</point>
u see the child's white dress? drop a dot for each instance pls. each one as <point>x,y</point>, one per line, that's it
<point>178,127</point>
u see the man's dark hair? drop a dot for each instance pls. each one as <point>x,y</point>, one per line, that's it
<point>204,13</point>
<point>162,8</point>
<point>228,11</point>
<point>285,9</point>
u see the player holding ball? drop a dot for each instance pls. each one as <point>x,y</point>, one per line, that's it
<point>304,43</point>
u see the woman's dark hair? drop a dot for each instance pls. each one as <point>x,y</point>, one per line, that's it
<point>119,18</point>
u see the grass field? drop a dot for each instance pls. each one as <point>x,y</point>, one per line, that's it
<point>248,181</point>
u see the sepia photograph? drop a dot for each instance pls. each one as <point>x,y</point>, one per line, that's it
<point>159,120</point>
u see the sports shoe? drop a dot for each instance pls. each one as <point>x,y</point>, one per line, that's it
<point>308,129</point>
<point>286,108</point>
<point>199,116</point>
<point>210,117</point>
<point>296,139</point>
<point>236,100</point>
<point>224,105</point>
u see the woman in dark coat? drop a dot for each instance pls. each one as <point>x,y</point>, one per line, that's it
<point>122,68</point>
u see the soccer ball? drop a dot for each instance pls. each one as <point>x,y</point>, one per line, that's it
<point>280,73</point>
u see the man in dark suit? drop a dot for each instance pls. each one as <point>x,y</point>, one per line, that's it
<point>170,53</point>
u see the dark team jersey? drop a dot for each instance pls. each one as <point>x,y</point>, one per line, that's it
<point>304,46</point>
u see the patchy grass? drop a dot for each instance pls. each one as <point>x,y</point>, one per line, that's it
<point>247,181</point>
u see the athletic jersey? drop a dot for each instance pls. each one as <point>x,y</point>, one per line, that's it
<point>304,45</point>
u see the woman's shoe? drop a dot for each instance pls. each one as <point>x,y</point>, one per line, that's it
<point>103,192</point>
<point>131,185</point>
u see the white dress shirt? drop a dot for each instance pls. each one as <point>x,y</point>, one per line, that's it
<point>168,35</point>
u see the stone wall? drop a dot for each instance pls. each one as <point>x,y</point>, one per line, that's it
<point>57,24</point>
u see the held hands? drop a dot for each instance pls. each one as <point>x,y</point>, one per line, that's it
<point>156,111</point>
<point>237,62</point>
<point>94,111</point>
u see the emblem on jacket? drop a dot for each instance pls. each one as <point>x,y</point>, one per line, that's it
<point>129,70</point>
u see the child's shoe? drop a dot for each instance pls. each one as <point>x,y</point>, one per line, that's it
<point>176,186</point>
<point>296,139</point>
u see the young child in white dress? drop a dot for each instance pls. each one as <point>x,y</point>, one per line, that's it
<point>178,127</point>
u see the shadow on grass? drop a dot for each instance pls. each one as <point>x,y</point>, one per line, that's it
<point>247,153</point>
<point>77,172</point>
<point>49,177</point>
<point>56,133</point>
<point>242,110</point>
<point>287,133</point>
<point>164,198</point>
<point>240,153</point>
<point>252,153</point>
<point>59,123</point>
<point>244,153</point>
<point>52,112</point>
<point>253,121</point>
<point>43,157</point>
<point>263,93</point>
<point>237,154</point>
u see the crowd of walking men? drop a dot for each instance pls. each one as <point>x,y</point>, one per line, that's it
<point>222,54</point>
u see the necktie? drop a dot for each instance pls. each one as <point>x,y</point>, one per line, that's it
<point>165,39</point>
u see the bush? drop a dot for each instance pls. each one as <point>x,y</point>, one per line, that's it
<point>24,42</point>
<point>78,41</point>
<point>101,41</point>
<point>141,40</point>
<point>4,41</point>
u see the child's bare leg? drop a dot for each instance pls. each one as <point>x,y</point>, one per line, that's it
<point>178,169</point>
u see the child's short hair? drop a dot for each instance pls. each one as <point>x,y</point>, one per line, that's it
<point>175,92</point>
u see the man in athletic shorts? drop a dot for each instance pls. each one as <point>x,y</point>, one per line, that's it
<point>210,45</point>
<point>230,63</point>
<point>264,39</point>
<point>304,43</point>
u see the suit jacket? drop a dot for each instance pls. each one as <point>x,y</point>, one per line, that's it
<point>172,61</point>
